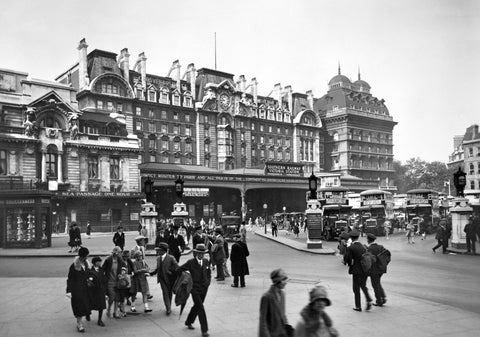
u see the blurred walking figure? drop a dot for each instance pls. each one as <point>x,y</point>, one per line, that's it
<point>273,320</point>
<point>218,253</point>
<point>410,232</point>
<point>440,236</point>
<point>119,238</point>
<point>77,287</point>
<point>387,225</point>
<point>238,259</point>
<point>97,288</point>
<point>89,229</point>
<point>471,232</point>
<point>314,321</point>
<point>378,269</point>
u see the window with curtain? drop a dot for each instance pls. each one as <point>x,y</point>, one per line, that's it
<point>93,167</point>
<point>114,168</point>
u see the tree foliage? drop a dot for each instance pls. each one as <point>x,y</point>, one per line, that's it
<point>417,173</point>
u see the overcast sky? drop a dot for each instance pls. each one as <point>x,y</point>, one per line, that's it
<point>421,56</point>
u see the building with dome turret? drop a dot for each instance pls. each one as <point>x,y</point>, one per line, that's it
<point>358,130</point>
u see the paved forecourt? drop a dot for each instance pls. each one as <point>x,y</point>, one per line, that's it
<point>39,307</point>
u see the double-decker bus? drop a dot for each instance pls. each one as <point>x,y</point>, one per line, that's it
<point>376,207</point>
<point>424,204</point>
<point>335,211</point>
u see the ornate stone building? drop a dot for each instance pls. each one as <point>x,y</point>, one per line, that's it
<point>467,155</point>
<point>359,129</point>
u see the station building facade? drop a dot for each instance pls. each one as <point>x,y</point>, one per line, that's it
<point>199,123</point>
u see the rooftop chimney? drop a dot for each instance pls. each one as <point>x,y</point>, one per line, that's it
<point>253,84</point>
<point>277,93</point>
<point>142,62</point>
<point>289,93</point>
<point>83,80</point>
<point>192,77</point>
<point>310,99</point>
<point>123,63</point>
<point>242,82</point>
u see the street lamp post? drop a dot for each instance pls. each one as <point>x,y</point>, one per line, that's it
<point>265,206</point>
<point>284,215</point>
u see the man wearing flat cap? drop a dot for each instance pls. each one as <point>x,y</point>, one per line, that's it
<point>352,258</point>
<point>377,271</point>
<point>199,269</point>
<point>166,273</point>
<point>273,320</point>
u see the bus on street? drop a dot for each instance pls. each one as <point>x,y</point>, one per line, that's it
<point>335,211</point>
<point>376,207</point>
<point>424,204</point>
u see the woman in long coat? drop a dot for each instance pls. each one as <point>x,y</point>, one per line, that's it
<point>78,288</point>
<point>97,288</point>
<point>238,258</point>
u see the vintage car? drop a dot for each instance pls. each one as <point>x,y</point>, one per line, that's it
<point>230,225</point>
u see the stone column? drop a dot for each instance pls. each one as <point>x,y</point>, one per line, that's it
<point>59,168</point>
<point>44,167</point>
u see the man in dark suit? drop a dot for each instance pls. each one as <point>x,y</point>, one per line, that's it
<point>377,271</point>
<point>352,257</point>
<point>166,272</point>
<point>199,269</point>
<point>176,244</point>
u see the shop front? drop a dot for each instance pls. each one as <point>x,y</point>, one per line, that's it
<point>25,219</point>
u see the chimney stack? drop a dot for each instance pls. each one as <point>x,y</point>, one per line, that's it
<point>289,93</point>
<point>143,69</point>
<point>310,99</point>
<point>83,79</point>
<point>243,83</point>
<point>123,63</point>
<point>277,92</point>
<point>254,90</point>
<point>176,65</point>
<point>192,78</point>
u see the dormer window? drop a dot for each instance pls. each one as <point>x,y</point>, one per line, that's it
<point>287,118</point>
<point>152,96</point>
<point>187,101</point>
<point>164,96</point>
<point>176,99</point>
<point>139,93</point>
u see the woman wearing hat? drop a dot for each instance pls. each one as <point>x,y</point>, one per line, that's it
<point>314,321</point>
<point>97,287</point>
<point>77,287</point>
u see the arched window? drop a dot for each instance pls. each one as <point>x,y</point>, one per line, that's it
<point>51,158</point>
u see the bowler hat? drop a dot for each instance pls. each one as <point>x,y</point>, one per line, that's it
<point>200,248</point>
<point>319,293</point>
<point>278,275</point>
<point>83,252</point>
<point>354,234</point>
<point>371,237</point>
<point>163,246</point>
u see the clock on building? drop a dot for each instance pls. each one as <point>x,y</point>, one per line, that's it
<point>225,101</point>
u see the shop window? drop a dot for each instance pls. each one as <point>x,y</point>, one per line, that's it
<point>21,223</point>
<point>92,167</point>
<point>114,168</point>
<point>3,162</point>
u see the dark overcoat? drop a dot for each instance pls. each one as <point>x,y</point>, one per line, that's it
<point>238,258</point>
<point>97,289</point>
<point>376,249</point>
<point>78,288</point>
<point>272,321</point>
<point>353,257</point>
<point>201,275</point>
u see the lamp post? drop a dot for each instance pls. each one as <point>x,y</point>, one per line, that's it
<point>459,181</point>
<point>265,206</point>
<point>147,188</point>
<point>312,186</point>
<point>284,215</point>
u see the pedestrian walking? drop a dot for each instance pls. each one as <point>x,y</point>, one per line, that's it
<point>378,269</point>
<point>274,227</point>
<point>238,259</point>
<point>470,230</point>
<point>113,267</point>
<point>314,321</point>
<point>387,226</point>
<point>353,258</point>
<point>139,280</point>
<point>226,273</point>
<point>124,284</point>
<point>127,295</point>
<point>243,231</point>
<point>440,235</point>
<point>296,230</point>
<point>218,253</point>
<point>199,269</point>
<point>75,237</point>
<point>166,274</point>
<point>89,229</point>
<point>176,244</point>
<point>160,238</point>
<point>77,287</point>
<point>97,288</point>
<point>342,244</point>
<point>410,232</point>
<point>119,238</point>
<point>273,320</point>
